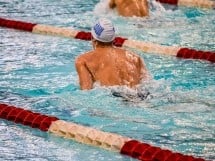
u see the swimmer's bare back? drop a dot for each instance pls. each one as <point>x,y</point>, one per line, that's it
<point>129,8</point>
<point>110,66</point>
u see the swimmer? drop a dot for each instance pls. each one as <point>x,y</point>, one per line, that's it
<point>106,64</point>
<point>129,8</point>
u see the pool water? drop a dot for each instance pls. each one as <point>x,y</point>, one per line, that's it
<point>37,72</point>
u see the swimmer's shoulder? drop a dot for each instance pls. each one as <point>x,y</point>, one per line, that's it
<point>89,53</point>
<point>120,50</point>
<point>127,53</point>
<point>85,56</point>
<point>131,53</point>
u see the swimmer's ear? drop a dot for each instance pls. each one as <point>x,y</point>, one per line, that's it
<point>112,4</point>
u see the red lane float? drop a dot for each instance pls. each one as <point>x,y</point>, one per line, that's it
<point>84,36</point>
<point>146,152</point>
<point>190,3</point>
<point>87,135</point>
<point>17,25</point>
<point>26,117</point>
<point>174,2</point>
<point>195,54</point>
<point>118,41</point>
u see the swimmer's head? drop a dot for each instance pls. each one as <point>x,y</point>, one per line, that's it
<point>103,31</point>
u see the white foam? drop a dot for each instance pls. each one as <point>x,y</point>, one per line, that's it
<point>103,8</point>
<point>157,6</point>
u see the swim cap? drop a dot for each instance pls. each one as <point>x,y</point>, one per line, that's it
<point>103,30</point>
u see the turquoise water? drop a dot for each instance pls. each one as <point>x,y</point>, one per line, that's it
<point>37,73</point>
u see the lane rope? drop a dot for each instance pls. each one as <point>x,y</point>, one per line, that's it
<point>91,136</point>
<point>191,3</point>
<point>180,52</point>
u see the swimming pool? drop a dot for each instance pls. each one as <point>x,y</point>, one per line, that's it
<point>37,72</point>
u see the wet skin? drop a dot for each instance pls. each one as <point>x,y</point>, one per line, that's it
<point>109,66</point>
<point>129,8</point>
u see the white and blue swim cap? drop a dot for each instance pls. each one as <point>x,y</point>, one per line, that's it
<point>103,30</point>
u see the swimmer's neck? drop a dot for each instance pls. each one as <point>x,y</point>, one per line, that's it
<point>101,45</point>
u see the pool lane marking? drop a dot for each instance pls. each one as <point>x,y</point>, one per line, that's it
<point>180,52</point>
<point>91,136</point>
<point>191,3</point>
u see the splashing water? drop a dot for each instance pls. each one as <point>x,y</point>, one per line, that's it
<point>37,72</point>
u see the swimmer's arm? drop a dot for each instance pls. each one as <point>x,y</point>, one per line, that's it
<point>85,78</point>
<point>112,4</point>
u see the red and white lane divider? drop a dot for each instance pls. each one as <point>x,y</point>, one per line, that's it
<point>147,47</point>
<point>190,3</point>
<point>91,136</point>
